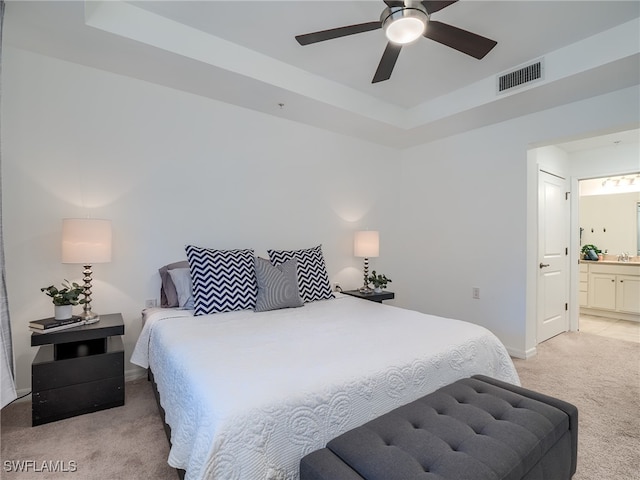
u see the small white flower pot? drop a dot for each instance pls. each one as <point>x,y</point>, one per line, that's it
<point>62,312</point>
<point>377,290</point>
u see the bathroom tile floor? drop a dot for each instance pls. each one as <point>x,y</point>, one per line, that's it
<point>610,327</point>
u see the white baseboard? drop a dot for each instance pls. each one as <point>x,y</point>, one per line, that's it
<point>20,393</point>
<point>523,354</point>
<point>135,373</point>
<point>610,314</point>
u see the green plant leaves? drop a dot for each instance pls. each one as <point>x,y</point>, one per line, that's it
<point>68,295</point>
<point>379,281</point>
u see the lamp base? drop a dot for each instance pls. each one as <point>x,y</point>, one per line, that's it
<point>365,286</point>
<point>89,317</point>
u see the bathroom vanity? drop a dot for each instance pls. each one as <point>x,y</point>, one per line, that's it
<point>610,289</point>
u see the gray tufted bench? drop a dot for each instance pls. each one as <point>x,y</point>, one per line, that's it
<point>477,428</point>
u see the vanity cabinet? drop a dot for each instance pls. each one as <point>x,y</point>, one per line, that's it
<point>583,289</point>
<point>602,291</point>
<point>628,293</point>
<point>612,289</point>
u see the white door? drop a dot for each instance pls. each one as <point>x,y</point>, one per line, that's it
<point>553,268</point>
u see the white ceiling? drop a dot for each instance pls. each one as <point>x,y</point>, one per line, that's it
<point>244,53</point>
<point>627,137</point>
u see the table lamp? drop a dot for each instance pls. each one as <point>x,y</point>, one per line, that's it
<point>86,241</point>
<point>366,244</point>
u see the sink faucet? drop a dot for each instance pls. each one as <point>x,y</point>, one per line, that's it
<point>623,257</point>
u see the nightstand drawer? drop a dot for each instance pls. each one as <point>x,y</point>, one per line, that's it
<point>47,373</point>
<point>65,402</point>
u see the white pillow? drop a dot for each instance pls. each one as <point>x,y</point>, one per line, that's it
<point>181,278</point>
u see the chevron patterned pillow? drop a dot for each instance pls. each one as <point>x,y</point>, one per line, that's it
<point>277,286</point>
<point>313,280</point>
<point>223,280</point>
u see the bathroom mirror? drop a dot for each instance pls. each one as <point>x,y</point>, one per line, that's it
<point>611,220</point>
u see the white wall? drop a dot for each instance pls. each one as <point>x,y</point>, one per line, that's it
<point>467,229</point>
<point>168,168</point>
<point>469,220</point>
<point>613,160</point>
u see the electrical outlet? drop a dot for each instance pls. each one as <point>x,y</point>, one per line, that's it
<point>152,302</point>
<point>476,293</point>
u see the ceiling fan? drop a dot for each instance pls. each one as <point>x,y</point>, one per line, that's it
<point>403,22</point>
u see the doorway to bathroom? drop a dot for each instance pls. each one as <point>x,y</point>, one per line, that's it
<point>601,157</point>
<point>605,186</point>
<point>609,283</point>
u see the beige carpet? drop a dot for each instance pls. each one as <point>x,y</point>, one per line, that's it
<point>600,376</point>
<point>126,442</point>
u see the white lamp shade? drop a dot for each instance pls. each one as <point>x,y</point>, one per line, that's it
<point>86,240</point>
<point>366,244</point>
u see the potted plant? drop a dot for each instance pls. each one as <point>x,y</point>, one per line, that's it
<point>379,281</point>
<point>65,298</point>
<point>587,248</point>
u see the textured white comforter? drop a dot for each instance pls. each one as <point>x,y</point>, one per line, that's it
<point>247,394</point>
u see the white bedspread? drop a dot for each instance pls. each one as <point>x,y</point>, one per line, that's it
<point>247,394</point>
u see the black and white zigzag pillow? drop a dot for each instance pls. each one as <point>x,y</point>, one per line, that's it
<point>313,279</point>
<point>223,280</point>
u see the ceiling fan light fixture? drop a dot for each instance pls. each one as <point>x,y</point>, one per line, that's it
<point>404,25</point>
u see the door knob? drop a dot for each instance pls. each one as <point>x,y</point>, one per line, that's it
<point>542,265</point>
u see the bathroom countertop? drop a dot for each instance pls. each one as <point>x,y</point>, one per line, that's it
<point>609,262</point>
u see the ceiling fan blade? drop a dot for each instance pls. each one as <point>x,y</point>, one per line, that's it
<point>387,62</point>
<point>461,40</point>
<point>394,3</point>
<point>323,35</point>
<point>433,7</point>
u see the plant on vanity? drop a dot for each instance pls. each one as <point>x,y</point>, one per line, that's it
<point>586,248</point>
<point>379,281</point>
<point>590,252</point>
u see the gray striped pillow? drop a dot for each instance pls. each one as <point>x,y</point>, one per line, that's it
<point>277,286</point>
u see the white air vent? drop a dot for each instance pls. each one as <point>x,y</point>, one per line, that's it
<point>520,76</point>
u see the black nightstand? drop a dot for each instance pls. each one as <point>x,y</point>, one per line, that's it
<point>373,297</point>
<point>78,370</point>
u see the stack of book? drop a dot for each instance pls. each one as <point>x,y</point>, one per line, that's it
<point>48,325</point>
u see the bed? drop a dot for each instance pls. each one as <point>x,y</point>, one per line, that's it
<point>248,394</point>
